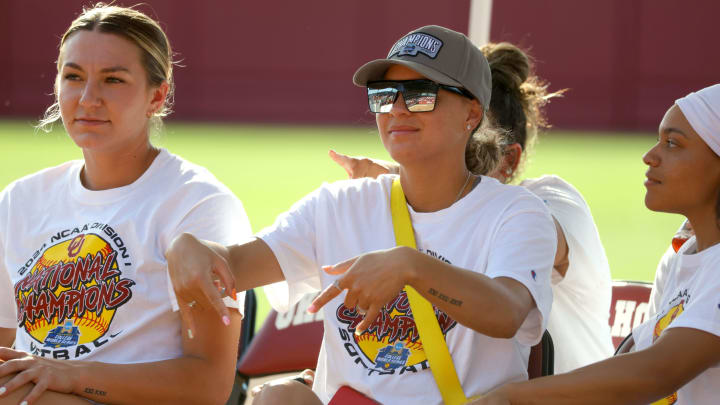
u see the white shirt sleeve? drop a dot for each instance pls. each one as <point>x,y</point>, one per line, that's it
<point>292,239</point>
<point>218,218</point>
<point>642,335</point>
<point>581,298</point>
<point>524,249</point>
<point>702,312</point>
<point>660,274</point>
<point>569,208</point>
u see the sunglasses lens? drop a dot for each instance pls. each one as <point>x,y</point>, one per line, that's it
<point>420,95</point>
<point>381,98</point>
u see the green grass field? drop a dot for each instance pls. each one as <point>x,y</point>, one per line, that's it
<point>270,167</point>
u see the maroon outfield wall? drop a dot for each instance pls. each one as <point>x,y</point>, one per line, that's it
<point>624,61</point>
<point>259,61</point>
<point>287,61</point>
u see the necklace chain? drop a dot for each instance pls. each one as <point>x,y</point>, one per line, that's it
<point>463,187</point>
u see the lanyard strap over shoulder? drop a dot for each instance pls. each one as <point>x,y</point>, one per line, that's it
<point>433,341</point>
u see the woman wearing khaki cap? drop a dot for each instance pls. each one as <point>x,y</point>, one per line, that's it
<point>581,279</point>
<point>482,265</point>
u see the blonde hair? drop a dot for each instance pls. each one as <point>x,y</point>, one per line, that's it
<point>518,96</point>
<point>141,30</point>
<point>484,148</point>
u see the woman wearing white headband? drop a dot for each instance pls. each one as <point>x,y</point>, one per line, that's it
<point>489,282</point>
<point>677,350</point>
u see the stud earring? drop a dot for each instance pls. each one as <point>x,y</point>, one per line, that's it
<point>508,171</point>
<point>469,126</point>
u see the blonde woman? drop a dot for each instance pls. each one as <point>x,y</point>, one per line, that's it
<point>84,291</point>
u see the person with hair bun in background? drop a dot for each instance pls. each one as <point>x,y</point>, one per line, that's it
<point>581,278</point>
<point>84,289</point>
<point>677,349</point>
<point>487,287</point>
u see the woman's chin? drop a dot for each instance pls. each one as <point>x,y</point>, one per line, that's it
<point>404,158</point>
<point>88,141</point>
<point>651,204</point>
<point>658,205</point>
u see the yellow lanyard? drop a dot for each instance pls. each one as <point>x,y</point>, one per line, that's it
<point>433,341</point>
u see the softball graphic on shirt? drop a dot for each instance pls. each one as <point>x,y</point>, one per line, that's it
<point>391,342</point>
<point>660,326</point>
<point>71,294</point>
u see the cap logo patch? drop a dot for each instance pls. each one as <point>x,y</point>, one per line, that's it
<point>415,43</point>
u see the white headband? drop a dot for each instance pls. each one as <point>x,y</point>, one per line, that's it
<point>702,110</point>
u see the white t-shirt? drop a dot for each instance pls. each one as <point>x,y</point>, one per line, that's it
<point>83,273</point>
<point>688,297</point>
<point>661,273</point>
<point>683,234</point>
<point>578,322</point>
<point>497,230</point>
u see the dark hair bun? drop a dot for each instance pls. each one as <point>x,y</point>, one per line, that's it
<point>517,94</point>
<point>509,65</point>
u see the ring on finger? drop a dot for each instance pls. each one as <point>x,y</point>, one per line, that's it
<point>222,291</point>
<point>336,284</point>
<point>191,303</point>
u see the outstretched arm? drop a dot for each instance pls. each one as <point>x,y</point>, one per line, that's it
<point>641,377</point>
<point>495,307</point>
<point>494,300</point>
<point>195,265</point>
<point>358,167</point>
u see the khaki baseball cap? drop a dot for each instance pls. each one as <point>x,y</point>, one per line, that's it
<point>440,54</point>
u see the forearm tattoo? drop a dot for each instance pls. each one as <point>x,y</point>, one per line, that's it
<point>441,296</point>
<point>94,391</point>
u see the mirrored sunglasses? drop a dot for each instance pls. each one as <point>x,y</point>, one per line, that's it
<point>420,95</point>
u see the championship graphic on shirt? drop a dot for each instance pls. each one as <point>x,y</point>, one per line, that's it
<point>677,308</point>
<point>68,299</point>
<point>391,343</point>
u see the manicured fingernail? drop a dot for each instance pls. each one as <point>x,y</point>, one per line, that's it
<point>312,309</point>
<point>326,268</point>
<point>190,334</point>
<point>234,294</point>
<point>226,320</point>
<point>359,332</point>
<point>2,390</point>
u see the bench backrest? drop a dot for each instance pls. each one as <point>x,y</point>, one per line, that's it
<point>628,308</point>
